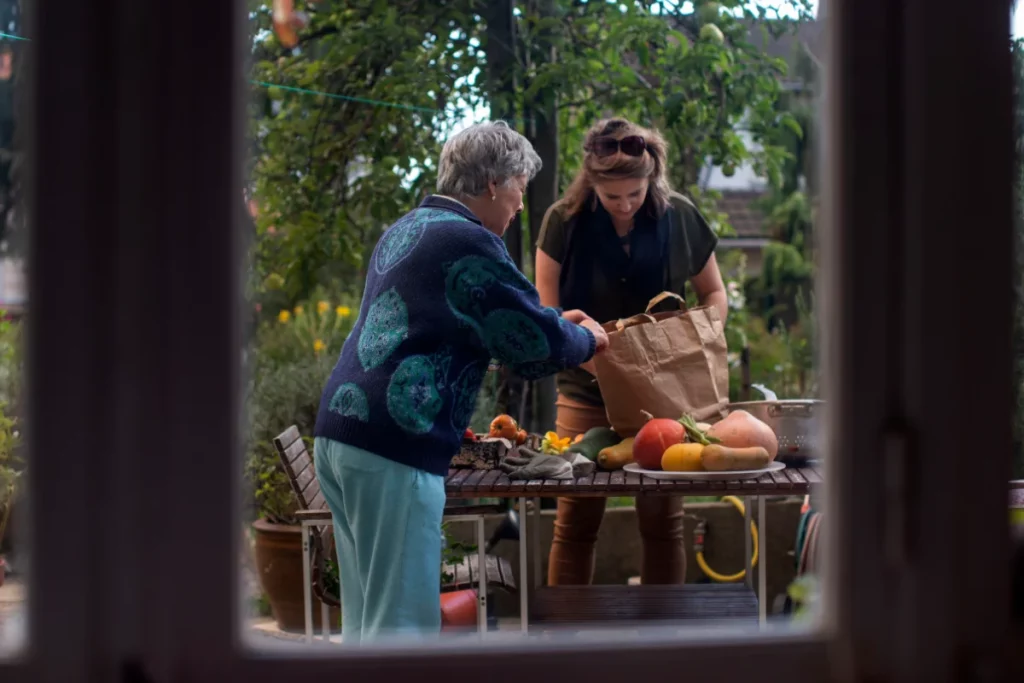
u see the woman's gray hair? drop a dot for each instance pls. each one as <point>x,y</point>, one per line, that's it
<point>482,153</point>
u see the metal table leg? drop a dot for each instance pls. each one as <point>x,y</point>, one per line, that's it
<point>481,575</point>
<point>535,543</point>
<point>307,587</point>
<point>762,572</point>
<point>748,542</point>
<point>524,598</point>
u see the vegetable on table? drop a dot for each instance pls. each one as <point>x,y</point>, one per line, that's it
<point>695,432</point>
<point>594,441</point>
<point>740,429</point>
<point>683,457</point>
<point>521,437</point>
<point>653,440</point>
<point>617,456</point>
<point>720,458</point>
<point>504,427</point>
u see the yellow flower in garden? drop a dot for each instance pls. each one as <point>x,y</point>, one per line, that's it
<point>284,316</point>
<point>322,307</point>
<point>343,311</point>
<point>319,345</point>
<point>299,310</point>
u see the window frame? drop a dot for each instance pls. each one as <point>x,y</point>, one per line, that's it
<point>134,319</point>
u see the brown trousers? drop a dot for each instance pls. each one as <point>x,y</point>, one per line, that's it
<point>578,520</point>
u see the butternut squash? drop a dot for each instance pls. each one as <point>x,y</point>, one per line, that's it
<point>740,429</point>
<point>718,458</point>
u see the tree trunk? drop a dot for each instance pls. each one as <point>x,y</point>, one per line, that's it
<point>500,38</point>
<point>501,84</point>
<point>542,124</point>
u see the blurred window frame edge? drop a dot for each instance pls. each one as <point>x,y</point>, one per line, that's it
<point>80,630</point>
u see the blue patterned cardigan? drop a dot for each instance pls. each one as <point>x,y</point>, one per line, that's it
<point>442,299</point>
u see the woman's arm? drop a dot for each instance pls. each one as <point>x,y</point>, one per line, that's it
<point>710,288</point>
<point>547,271</point>
<point>486,291</point>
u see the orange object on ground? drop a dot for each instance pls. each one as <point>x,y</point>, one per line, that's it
<point>458,609</point>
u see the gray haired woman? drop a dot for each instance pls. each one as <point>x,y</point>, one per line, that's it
<point>442,299</point>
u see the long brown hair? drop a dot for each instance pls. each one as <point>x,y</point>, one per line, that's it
<point>595,169</point>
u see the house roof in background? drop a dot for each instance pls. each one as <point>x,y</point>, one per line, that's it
<point>739,205</point>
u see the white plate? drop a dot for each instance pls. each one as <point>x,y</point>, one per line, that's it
<point>705,476</point>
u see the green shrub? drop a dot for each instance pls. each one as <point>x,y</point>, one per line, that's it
<point>290,360</point>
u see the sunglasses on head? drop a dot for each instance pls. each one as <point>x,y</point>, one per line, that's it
<point>632,145</point>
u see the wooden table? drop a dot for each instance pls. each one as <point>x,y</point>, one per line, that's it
<point>468,483</point>
<point>496,484</point>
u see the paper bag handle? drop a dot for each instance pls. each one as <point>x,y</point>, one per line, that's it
<point>666,295</point>
<point>620,325</point>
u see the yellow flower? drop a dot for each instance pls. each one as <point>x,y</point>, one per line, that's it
<point>284,316</point>
<point>343,311</point>
<point>319,346</point>
<point>322,307</point>
<point>298,310</point>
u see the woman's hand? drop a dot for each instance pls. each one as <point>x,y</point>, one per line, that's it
<point>578,317</point>
<point>575,316</point>
<point>599,334</point>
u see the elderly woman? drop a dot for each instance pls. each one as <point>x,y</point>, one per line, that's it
<point>442,299</point>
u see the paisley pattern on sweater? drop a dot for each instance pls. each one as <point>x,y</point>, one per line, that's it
<point>401,239</point>
<point>350,401</point>
<point>470,280</point>
<point>513,336</point>
<point>385,328</point>
<point>414,393</point>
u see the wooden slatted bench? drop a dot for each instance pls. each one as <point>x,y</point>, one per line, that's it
<point>624,605</point>
<point>298,465</point>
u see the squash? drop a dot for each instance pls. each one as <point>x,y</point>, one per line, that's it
<point>740,429</point>
<point>616,457</point>
<point>717,458</point>
<point>653,440</point>
<point>594,441</point>
<point>683,457</point>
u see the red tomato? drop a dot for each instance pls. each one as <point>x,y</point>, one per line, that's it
<point>468,435</point>
<point>653,440</point>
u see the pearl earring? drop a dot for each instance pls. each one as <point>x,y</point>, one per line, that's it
<point>493,197</point>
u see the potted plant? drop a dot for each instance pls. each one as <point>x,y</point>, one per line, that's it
<point>11,468</point>
<point>11,464</point>
<point>293,354</point>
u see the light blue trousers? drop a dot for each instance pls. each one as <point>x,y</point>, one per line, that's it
<point>387,525</point>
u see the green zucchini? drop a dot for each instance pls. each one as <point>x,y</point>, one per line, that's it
<point>595,441</point>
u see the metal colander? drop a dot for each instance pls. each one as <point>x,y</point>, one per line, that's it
<point>796,423</point>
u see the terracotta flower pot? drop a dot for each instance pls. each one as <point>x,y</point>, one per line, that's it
<point>278,556</point>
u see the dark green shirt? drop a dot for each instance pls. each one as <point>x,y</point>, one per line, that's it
<point>691,243</point>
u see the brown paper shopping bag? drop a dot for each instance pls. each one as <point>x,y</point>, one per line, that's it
<point>667,364</point>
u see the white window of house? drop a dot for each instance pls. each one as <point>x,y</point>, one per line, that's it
<point>134,276</point>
